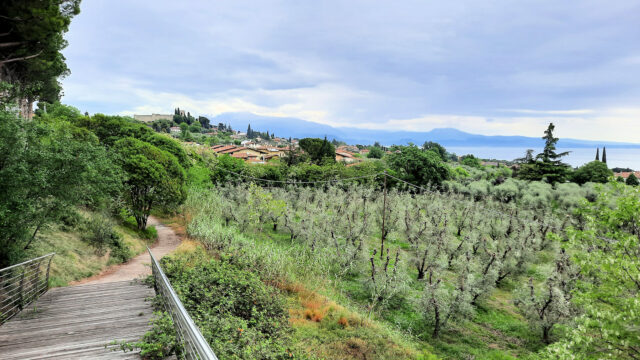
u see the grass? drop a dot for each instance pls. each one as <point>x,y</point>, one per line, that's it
<point>76,259</point>
<point>329,314</point>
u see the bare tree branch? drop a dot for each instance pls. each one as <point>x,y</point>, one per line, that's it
<point>20,58</point>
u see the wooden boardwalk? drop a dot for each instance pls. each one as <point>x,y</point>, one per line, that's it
<point>77,322</point>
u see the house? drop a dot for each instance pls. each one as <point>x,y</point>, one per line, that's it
<point>625,174</point>
<point>175,129</point>
<point>346,157</point>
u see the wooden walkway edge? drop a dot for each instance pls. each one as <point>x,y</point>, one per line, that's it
<point>79,322</point>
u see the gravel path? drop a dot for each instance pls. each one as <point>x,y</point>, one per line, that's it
<point>138,267</point>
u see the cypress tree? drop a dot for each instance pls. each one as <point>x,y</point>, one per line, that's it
<point>598,154</point>
<point>604,155</point>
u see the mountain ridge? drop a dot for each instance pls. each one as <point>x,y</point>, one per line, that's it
<point>299,128</point>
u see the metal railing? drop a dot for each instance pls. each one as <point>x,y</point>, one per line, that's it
<point>195,347</point>
<point>23,283</point>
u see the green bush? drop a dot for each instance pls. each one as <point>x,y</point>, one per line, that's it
<point>150,233</point>
<point>98,232</point>
<point>240,316</point>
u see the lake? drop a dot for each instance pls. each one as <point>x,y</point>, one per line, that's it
<point>616,157</point>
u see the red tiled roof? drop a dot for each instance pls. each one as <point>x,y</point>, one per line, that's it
<point>625,174</point>
<point>345,154</point>
<point>219,148</point>
<point>232,150</point>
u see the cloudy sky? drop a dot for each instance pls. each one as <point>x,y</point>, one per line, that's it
<point>487,67</point>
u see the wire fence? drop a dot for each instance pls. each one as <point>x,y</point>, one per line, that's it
<point>23,283</point>
<point>194,345</point>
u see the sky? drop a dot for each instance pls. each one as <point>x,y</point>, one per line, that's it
<point>485,67</point>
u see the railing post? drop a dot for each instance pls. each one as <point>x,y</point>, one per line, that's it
<point>24,284</point>
<point>21,298</point>
<point>48,271</point>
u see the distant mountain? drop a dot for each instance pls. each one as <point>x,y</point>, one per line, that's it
<point>298,128</point>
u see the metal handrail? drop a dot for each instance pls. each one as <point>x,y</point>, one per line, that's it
<point>195,347</point>
<point>23,283</point>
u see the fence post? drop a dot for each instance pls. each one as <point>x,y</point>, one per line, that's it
<point>48,271</point>
<point>21,298</point>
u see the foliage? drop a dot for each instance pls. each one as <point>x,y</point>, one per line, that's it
<point>594,171</point>
<point>551,305</point>
<point>470,160</point>
<point>319,151</point>
<point>32,42</point>
<point>46,169</point>
<point>375,152</point>
<point>607,251</point>
<point>240,316</point>
<point>110,129</point>
<point>547,165</point>
<point>437,148</point>
<point>632,180</point>
<point>418,167</point>
<point>153,178</point>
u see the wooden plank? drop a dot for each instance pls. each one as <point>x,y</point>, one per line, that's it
<point>79,323</point>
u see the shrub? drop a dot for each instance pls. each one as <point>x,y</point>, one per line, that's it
<point>98,232</point>
<point>150,233</point>
<point>594,171</point>
<point>239,315</point>
<point>507,191</point>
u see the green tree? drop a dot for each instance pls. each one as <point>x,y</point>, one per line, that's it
<point>632,180</point>
<point>32,40</point>
<point>470,160</point>
<point>551,305</point>
<point>548,165</point>
<point>607,250</point>
<point>417,166</point>
<point>375,152</point>
<point>595,171</point>
<point>437,148</point>
<point>46,169</point>
<point>319,151</point>
<point>154,178</point>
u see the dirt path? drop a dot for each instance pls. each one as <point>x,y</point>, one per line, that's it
<point>138,267</point>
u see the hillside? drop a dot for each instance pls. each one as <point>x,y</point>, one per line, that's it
<point>299,128</point>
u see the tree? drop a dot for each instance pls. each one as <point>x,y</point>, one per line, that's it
<point>319,151</point>
<point>249,132</point>
<point>547,307</point>
<point>375,153</point>
<point>632,180</point>
<point>154,178</point>
<point>527,159</point>
<point>607,252</point>
<point>204,122</point>
<point>548,165</point>
<point>595,171</point>
<point>418,167</point>
<point>46,169</point>
<point>470,160</point>
<point>598,154</point>
<point>437,148</point>
<point>604,155</point>
<point>31,39</point>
